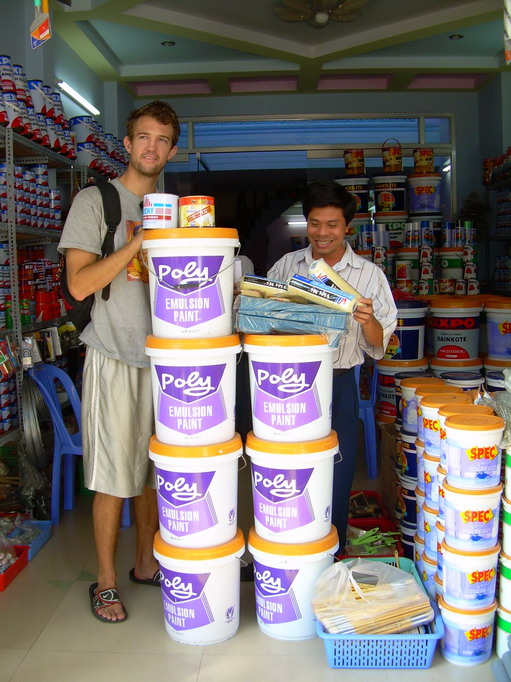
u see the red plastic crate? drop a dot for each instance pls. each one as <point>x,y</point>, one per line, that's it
<point>9,575</point>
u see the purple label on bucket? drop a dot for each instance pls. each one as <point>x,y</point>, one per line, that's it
<point>286,395</point>
<point>184,603</point>
<point>191,399</point>
<point>275,599</point>
<point>281,499</point>
<point>187,290</point>
<point>184,501</point>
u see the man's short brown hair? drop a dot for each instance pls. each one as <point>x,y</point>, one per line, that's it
<point>159,110</point>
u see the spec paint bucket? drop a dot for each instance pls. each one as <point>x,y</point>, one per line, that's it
<point>502,631</point>
<point>419,550</point>
<point>429,568</point>
<point>505,581</point>
<point>439,587</point>
<point>196,211</point>
<point>290,386</point>
<point>197,492</point>
<point>392,157</point>
<point>407,340</point>
<point>430,519</point>
<point>423,161</point>
<point>455,328</point>
<point>194,386</point>
<point>389,196</point>
<point>408,403</point>
<point>449,411</point>
<point>471,517</point>
<point>354,161</point>
<point>200,590</point>
<point>473,450</point>
<point>416,368</point>
<point>506,526</point>
<point>419,447</point>
<point>407,456</point>
<point>441,473</point>
<point>468,634</point>
<point>429,407</point>
<point>469,578</point>
<point>292,488</point>
<point>424,195</point>
<point>439,367</point>
<point>493,365</point>
<point>359,187</point>
<point>498,329</point>
<point>420,499</point>
<point>284,578</point>
<point>191,281</point>
<point>468,381</point>
<point>160,211</point>
<point>440,535</point>
<point>388,370</point>
<point>429,390</point>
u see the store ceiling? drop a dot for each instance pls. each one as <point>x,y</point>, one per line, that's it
<point>233,47</point>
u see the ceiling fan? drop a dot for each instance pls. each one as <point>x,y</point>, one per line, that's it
<point>318,13</point>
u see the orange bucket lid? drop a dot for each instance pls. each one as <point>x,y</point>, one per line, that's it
<point>430,457</point>
<point>491,362</point>
<point>195,451</point>
<point>450,302</point>
<point>398,364</point>
<point>437,400</point>
<point>441,470</point>
<point>472,553</point>
<point>498,303</point>
<point>467,612</point>
<point>284,340</point>
<point>316,547</point>
<point>473,492</point>
<point>206,343</point>
<point>475,422</point>
<point>449,364</point>
<point>282,448</point>
<point>415,382</point>
<point>420,492</point>
<point>384,418</point>
<point>428,560</point>
<point>191,233</point>
<point>202,554</point>
<point>450,410</point>
<point>421,391</point>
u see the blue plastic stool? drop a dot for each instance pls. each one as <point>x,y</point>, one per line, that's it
<point>366,414</point>
<point>67,446</point>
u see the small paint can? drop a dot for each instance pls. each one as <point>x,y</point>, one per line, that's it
<point>196,211</point>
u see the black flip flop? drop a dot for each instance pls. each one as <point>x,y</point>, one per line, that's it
<point>104,598</point>
<point>155,581</point>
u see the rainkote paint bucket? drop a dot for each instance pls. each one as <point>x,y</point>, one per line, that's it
<point>424,193</point>
<point>420,499</point>
<point>407,455</point>
<point>194,387</point>
<point>430,519</point>
<point>441,473</point>
<point>468,381</point>
<point>418,552</point>
<point>290,386</point>
<point>498,328</point>
<point>455,325</point>
<point>389,196</point>
<point>468,635</point>
<point>292,488</point>
<point>470,578</point>
<point>388,371</point>
<point>429,390</point>
<point>440,535</point>
<point>473,450</point>
<point>439,367</point>
<point>196,211</point>
<point>429,407</point>
<point>160,211</point>
<point>200,590</point>
<point>449,411</point>
<point>502,631</point>
<point>408,388</point>
<point>429,568</point>
<point>359,187</point>
<point>506,526</point>
<point>191,281</point>
<point>284,577</point>
<point>471,517</point>
<point>505,581</point>
<point>197,492</point>
<point>407,340</point>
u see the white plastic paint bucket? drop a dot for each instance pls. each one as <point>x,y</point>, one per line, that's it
<point>502,631</point>
<point>408,388</point>
<point>498,328</point>
<point>197,492</point>
<point>507,475</point>
<point>506,526</point>
<point>505,580</point>
<point>440,535</point>
<point>430,519</point>
<point>284,578</point>
<point>429,568</point>
<point>292,488</point>
<point>495,381</point>
<point>200,590</point>
<point>469,578</point>
<point>406,500</point>
<point>455,325</point>
<point>494,365</point>
<point>386,389</point>
<point>441,473</point>
<point>389,196</point>
<point>160,211</point>
<point>468,634</point>
<point>451,262</point>
<point>407,455</point>
<point>290,386</point>
<point>407,340</point>
<point>438,366</point>
<point>423,391</point>
<point>420,499</point>
<point>473,450</point>
<point>468,381</point>
<point>439,588</point>
<point>191,281</point>
<point>471,517</point>
<point>194,386</point>
<point>449,411</point>
<point>419,447</point>
<point>419,551</point>
<point>424,193</point>
<point>359,187</point>
<point>429,407</point>
<point>430,479</point>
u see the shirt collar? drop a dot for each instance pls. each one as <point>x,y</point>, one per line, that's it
<point>349,258</point>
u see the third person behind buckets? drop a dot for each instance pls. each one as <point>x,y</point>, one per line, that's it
<point>329,209</point>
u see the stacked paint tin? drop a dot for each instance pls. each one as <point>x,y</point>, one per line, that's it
<point>503,620</point>
<point>195,449</point>
<point>292,451</point>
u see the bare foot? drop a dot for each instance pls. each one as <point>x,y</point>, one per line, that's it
<point>106,605</point>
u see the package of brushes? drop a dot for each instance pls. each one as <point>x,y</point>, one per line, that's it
<point>369,597</point>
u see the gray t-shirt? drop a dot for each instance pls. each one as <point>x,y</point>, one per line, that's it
<point>119,326</point>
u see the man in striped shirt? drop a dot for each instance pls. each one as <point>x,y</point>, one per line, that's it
<point>329,209</point>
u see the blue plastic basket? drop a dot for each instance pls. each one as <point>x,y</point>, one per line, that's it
<point>384,651</point>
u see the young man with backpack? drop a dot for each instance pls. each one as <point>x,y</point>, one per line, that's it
<point>117,408</point>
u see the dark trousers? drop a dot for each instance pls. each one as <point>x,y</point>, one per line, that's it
<point>345,423</point>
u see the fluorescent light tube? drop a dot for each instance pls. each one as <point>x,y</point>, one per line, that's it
<point>78,98</point>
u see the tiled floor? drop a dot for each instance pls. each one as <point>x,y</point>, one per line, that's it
<point>47,633</point>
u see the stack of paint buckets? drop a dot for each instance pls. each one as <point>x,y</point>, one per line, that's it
<point>503,620</point>
<point>357,183</point>
<point>195,449</point>
<point>292,451</point>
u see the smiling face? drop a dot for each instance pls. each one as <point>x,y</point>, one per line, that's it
<point>326,229</point>
<point>150,146</point>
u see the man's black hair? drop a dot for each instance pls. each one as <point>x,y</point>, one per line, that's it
<point>322,194</point>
